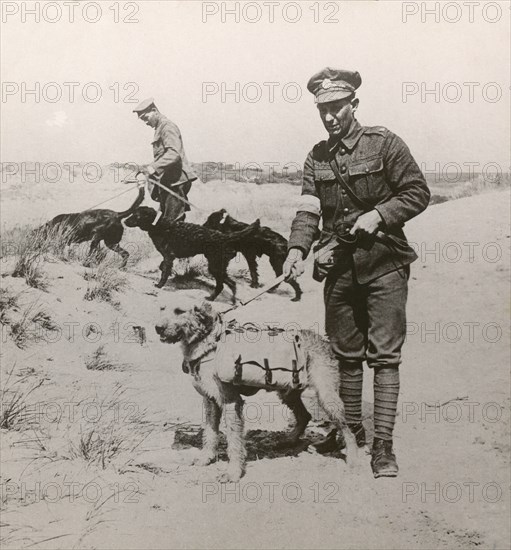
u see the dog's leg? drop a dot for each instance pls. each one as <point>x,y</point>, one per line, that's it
<point>218,288</point>
<point>166,270</point>
<point>235,441</point>
<point>297,289</point>
<point>210,442</point>
<point>324,380</point>
<point>252,266</point>
<point>117,248</point>
<point>293,399</point>
<point>219,273</point>
<point>232,285</point>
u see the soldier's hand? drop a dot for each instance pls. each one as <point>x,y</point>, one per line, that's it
<point>294,265</point>
<point>367,223</point>
<point>147,170</point>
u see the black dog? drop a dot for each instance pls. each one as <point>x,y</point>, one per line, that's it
<point>264,241</point>
<point>92,225</point>
<point>183,240</point>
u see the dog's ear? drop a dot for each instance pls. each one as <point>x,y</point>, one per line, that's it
<point>179,311</point>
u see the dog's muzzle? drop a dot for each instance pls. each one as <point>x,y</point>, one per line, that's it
<point>167,334</point>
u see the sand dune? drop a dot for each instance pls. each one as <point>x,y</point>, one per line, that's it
<point>452,433</point>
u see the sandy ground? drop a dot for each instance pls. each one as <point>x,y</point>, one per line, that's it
<point>452,434</point>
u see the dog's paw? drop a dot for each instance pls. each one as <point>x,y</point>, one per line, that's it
<point>296,298</point>
<point>204,460</point>
<point>231,476</point>
<point>256,285</point>
<point>159,285</point>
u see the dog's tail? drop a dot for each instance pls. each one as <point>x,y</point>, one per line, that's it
<point>240,235</point>
<point>134,206</point>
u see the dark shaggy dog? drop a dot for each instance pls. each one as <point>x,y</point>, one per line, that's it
<point>92,225</point>
<point>198,331</point>
<point>184,240</point>
<point>265,241</point>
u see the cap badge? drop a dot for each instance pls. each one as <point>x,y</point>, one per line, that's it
<point>326,84</point>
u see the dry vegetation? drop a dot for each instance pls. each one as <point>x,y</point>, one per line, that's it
<point>103,281</point>
<point>104,447</point>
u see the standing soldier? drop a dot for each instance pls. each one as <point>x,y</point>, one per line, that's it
<point>170,167</point>
<point>364,184</point>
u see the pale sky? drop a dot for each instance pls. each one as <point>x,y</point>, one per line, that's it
<point>170,53</point>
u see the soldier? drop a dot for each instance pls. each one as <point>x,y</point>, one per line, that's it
<point>170,167</point>
<point>364,184</point>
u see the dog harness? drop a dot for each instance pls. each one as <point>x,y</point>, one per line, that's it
<point>247,355</point>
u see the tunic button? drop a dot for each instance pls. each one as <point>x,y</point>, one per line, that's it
<point>367,169</point>
<point>343,151</point>
<point>346,210</point>
<point>343,169</point>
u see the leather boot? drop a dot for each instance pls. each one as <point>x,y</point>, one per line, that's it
<point>383,459</point>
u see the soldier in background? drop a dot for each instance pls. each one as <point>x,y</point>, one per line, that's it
<point>170,167</point>
<point>364,184</point>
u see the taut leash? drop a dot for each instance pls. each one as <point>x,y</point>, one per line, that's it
<point>169,191</point>
<point>262,291</point>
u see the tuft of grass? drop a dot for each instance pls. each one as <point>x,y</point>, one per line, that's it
<point>8,303</point>
<point>99,360</point>
<point>14,407</point>
<point>29,325</point>
<point>31,248</point>
<point>102,281</point>
<point>115,436</point>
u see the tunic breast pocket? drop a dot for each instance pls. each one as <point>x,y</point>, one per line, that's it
<point>367,179</point>
<point>326,186</point>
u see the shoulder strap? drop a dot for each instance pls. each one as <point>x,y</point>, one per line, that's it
<point>357,200</point>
